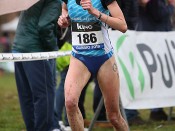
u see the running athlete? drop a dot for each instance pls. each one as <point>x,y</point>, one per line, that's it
<point>92,54</point>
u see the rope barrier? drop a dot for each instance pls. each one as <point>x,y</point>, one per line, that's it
<point>6,57</point>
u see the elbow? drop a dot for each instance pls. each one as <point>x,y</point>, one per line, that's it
<point>124,28</point>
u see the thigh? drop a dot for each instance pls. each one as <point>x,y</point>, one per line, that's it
<point>77,77</point>
<point>109,84</point>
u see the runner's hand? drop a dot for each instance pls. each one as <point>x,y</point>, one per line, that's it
<point>87,5</point>
<point>64,21</point>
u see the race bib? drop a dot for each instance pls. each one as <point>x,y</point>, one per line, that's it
<point>87,36</point>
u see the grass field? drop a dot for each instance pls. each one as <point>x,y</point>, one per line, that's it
<point>11,119</point>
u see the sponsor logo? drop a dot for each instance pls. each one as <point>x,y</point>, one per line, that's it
<point>84,27</point>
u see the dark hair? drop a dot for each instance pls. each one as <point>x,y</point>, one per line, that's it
<point>78,2</point>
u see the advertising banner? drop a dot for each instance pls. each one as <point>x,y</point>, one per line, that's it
<point>146,63</point>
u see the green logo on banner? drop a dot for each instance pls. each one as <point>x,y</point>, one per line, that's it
<point>133,61</point>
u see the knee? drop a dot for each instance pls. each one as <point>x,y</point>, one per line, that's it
<point>118,122</point>
<point>114,119</point>
<point>71,104</point>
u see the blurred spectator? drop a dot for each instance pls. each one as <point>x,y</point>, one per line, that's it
<point>130,11</point>
<point>36,80</point>
<point>173,21</point>
<point>5,47</point>
<point>155,15</point>
<point>5,44</point>
<point>10,28</point>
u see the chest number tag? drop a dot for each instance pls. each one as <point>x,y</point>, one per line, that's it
<point>87,36</point>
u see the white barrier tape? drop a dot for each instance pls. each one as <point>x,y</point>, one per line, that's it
<point>6,57</point>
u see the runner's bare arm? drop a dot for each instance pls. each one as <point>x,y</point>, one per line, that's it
<point>116,20</point>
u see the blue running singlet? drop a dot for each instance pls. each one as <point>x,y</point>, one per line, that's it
<point>90,38</point>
